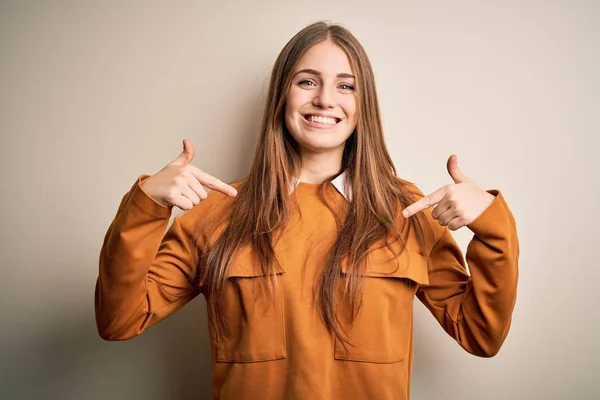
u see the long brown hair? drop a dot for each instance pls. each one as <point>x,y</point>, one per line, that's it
<point>263,203</point>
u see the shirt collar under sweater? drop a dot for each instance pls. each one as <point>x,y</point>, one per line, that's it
<point>340,184</point>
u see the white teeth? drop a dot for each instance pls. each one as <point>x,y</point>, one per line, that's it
<point>322,120</point>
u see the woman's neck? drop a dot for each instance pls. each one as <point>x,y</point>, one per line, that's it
<point>318,167</point>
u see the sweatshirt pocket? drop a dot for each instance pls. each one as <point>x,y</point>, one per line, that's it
<point>255,329</point>
<point>381,331</point>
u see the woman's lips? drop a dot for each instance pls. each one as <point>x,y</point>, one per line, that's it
<point>323,122</point>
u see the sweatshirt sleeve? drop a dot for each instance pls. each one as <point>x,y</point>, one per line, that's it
<point>476,309</point>
<point>145,274</point>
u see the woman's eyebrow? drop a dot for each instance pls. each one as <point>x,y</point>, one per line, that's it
<point>317,73</point>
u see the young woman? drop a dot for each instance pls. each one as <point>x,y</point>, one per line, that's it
<point>310,264</point>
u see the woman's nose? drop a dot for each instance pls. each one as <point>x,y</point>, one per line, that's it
<point>324,98</point>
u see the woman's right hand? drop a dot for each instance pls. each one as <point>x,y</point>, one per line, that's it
<point>181,184</point>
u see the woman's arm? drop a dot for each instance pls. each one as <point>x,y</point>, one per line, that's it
<point>476,309</point>
<point>145,275</point>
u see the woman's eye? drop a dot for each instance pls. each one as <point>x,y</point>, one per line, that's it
<point>346,87</point>
<point>306,83</point>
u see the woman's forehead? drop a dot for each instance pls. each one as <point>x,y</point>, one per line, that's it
<point>326,58</point>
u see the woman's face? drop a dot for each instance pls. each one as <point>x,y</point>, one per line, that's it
<point>320,111</point>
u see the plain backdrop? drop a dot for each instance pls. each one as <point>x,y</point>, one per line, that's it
<point>92,94</point>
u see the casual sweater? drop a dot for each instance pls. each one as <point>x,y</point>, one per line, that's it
<point>277,347</point>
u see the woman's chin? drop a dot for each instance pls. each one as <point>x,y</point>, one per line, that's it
<point>322,146</point>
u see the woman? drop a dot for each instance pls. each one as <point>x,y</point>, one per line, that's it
<point>311,263</point>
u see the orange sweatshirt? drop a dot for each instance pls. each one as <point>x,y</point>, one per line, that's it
<point>280,349</point>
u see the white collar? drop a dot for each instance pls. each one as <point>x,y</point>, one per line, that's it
<point>340,184</point>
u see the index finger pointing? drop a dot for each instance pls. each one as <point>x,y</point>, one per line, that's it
<point>213,183</point>
<point>427,201</point>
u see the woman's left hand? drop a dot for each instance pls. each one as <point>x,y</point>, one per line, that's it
<point>455,205</point>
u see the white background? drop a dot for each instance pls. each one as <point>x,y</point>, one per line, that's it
<point>92,94</point>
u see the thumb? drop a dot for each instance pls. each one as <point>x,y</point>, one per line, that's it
<point>187,155</point>
<point>457,175</point>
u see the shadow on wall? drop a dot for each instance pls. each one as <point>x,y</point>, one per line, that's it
<point>68,360</point>
<point>187,356</point>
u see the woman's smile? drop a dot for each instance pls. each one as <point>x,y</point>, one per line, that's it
<point>321,121</point>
